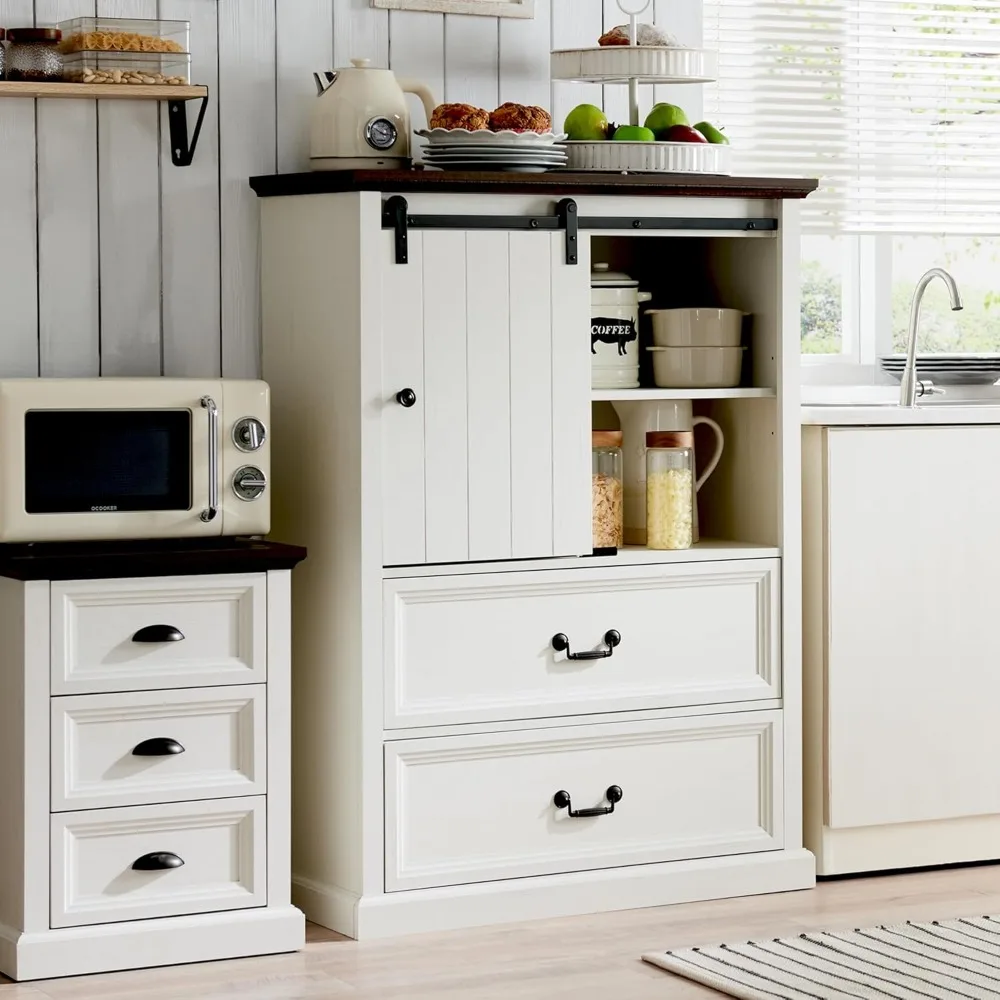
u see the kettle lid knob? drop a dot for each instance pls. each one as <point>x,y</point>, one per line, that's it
<point>361,63</point>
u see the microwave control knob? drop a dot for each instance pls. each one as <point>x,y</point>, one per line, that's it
<point>249,434</point>
<point>249,482</point>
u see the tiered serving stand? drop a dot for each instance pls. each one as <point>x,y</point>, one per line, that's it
<point>634,64</point>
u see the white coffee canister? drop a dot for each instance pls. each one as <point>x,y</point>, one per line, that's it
<point>614,328</point>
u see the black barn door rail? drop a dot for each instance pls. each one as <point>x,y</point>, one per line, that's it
<point>396,216</point>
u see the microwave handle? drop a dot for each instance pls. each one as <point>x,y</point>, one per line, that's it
<point>213,459</point>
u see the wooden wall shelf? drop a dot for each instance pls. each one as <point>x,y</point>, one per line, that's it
<point>112,91</point>
<point>181,147</point>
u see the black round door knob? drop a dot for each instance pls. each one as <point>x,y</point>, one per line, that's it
<point>406,397</point>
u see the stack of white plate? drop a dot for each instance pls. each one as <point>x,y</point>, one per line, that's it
<point>948,369</point>
<point>521,152</point>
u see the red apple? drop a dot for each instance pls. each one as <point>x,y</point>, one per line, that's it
<point>683,133</point>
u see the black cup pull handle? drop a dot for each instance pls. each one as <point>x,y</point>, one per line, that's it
<point>158,633</point>
<point>561,800</point>
<point>406,397</point>
<point>160,861</point>
<point>560,643</point>
<point>159,746</point>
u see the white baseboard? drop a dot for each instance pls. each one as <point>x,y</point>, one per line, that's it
<point>141,944</point>
<point>327,905</point>
<point>908,845</point>
<point>397,913</point>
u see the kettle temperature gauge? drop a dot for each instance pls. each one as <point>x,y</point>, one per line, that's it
<point>380,133</point>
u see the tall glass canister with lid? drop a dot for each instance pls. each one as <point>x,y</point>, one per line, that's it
<point>669,489</point>
<point>607,491</point>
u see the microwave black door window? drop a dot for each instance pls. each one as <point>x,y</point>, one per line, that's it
<point>107,460</point>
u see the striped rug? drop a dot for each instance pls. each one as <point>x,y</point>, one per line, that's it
<point>948,959</point>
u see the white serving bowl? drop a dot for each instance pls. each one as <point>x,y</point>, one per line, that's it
<point>697,367</point>
<point>696,327</point>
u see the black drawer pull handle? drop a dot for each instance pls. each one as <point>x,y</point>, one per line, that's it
<point>159,746</point>
<point>560,643</point>
<point>561,800</point>
<point>161,861</point>
<point>158,633</point>
<point>406,397</point>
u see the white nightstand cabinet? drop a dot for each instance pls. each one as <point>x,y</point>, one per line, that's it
<point>144,756</point>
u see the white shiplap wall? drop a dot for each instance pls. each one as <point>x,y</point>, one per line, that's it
<point>115,262</point>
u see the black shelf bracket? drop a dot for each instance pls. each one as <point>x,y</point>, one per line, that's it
<point>396,216</point>
<point>181,148</point>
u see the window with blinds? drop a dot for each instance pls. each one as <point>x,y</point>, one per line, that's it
<point>894,105</point>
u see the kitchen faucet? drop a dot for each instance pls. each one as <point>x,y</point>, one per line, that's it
<point>908,389</point>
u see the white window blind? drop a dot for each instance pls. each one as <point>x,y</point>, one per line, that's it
<point>894,105</point>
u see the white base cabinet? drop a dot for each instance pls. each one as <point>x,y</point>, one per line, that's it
<point>456,761</point>
<point>163,834</point>
<point>902,542</point>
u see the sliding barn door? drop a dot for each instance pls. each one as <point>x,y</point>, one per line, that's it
<point>486,398</point>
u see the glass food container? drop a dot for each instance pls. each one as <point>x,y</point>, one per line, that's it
<point>607,491</point>
<point>3,53</point>
<point>151,69</point>
<point>33,55</point>
<point>124,34</point>
<point>669,490</point>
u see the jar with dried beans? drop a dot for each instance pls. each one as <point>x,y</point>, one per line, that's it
<point>607,490</point>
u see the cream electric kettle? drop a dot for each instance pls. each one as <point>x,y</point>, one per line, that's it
<point>361,121</point>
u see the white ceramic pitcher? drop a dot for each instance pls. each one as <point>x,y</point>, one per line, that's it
<point>638,417</point>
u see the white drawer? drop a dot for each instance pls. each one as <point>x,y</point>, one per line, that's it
<point>476,808</point>
<point>221,844</point>
<point>479,648</point>
<point>111,635</point>
<point>163,746</point>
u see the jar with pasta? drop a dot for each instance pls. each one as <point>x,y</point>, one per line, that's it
<point>669,490</point>
<point>607,491</point>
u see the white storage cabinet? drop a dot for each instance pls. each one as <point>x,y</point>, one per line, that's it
<point>432,392</point>
<point>901,544</point>
<point>144,765</point>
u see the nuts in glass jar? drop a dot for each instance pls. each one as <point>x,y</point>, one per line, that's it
<point>608,508</point>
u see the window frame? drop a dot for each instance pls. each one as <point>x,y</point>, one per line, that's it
<point>866,317</point>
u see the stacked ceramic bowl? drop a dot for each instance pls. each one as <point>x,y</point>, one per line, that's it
<point>697,348</point>
<point>519,152</point>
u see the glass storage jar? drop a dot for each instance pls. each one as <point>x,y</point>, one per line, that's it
<point>607,490</point>
<point>33,55</point>
<point>3,53</point>
<point>669,489</point>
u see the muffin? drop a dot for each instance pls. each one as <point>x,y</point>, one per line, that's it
<point>520,118</point>
<point>466,116</point>
<point>647,34</point>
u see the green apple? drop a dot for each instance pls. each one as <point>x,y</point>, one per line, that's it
<point>664,117</point>
<point>586,123</point>
<point>633,133</point>
<point>711,133</point>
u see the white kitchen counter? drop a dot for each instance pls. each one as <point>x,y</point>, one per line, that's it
<point>877,405</point>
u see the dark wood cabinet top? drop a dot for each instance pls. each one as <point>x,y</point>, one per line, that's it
<point>116,560</point>
<point>554,183</point>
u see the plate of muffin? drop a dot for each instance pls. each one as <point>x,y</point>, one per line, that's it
<point>513,137</point>
<point>510,124</point>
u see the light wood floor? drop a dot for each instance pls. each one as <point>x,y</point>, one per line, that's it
<point>578,958</point>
